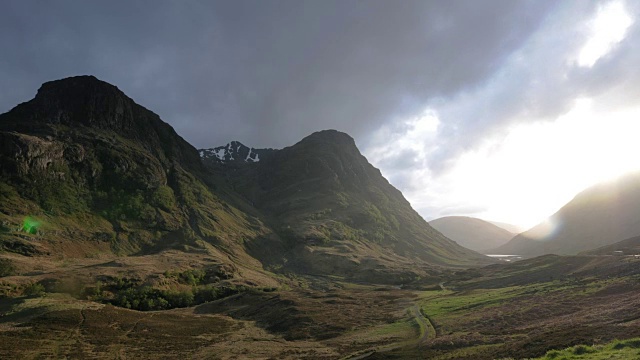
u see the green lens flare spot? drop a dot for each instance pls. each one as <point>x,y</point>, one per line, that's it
<point>30,225</point>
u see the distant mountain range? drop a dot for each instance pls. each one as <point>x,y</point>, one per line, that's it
<point>599,216</point>
<point>514,229</point>
<point>472,233</point>
<point>105,175</point>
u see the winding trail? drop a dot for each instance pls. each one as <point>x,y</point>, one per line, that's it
<point>427,331</point>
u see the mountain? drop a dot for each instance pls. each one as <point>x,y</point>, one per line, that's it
<point>472,233</point>
<point>110,222</point>
<point>509,227</point>
<point>102,175</point>
<point>336,214</point>
<point>600,215</point>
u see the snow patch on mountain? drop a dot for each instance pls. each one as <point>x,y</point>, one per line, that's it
<point>234,151</point>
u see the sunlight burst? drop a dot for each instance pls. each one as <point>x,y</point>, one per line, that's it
<point>608,28</point>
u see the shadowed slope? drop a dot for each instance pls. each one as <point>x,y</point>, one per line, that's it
<point>336,213</point>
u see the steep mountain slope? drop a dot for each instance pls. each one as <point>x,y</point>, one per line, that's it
<point>598,216</point>
<point>101,174</point>
<point>335,213</point>
<point>472,233</point>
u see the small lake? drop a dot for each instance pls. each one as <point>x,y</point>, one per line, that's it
<point>505,257</point>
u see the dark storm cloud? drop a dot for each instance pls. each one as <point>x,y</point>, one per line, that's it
<point>265,72</point>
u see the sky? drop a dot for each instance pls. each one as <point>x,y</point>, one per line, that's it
<point>499,109</point>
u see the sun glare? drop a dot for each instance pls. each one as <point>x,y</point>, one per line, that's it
<point>608,28</point>
<point>538,167</point>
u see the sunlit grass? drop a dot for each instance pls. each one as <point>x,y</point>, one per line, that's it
<point>619,349</point>
<point>449,303</point>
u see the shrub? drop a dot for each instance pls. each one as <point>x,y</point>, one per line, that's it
<point>34,289</point>
<point>163,197</point>
<point>552,354</point>
<point>6,268</point>
<point>206,294</point>
<point>633,343</point>
<point>581,350</point>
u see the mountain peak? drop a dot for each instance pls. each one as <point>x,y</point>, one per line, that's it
<point>330,136</point>
<point>79,90</point>
<point>87,82</point>
<point>70,104</point>
<point>84,100</point>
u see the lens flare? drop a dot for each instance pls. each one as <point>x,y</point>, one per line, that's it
<point>30,225</point>
<point>544,229</point>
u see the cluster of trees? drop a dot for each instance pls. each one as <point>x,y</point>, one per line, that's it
<point>128,293</point>
<point>148,298</point>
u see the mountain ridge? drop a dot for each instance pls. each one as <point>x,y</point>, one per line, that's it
<point>314,207</point>
<point>323,192</point>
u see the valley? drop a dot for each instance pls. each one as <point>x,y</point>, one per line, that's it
<point>118,239</point>
<point>517,310</point>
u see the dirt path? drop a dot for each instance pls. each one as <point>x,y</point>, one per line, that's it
<point>363,356</point>
<point>427,331</point>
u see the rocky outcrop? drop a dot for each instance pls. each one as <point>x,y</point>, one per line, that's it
<point>64,106</point>
<point>23,154</point>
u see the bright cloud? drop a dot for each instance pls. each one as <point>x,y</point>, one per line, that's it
<point>537,132</point>
<point>608,28</point>
<point>402,149</point>
<point>410,136</point>
<point>538,167</point>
